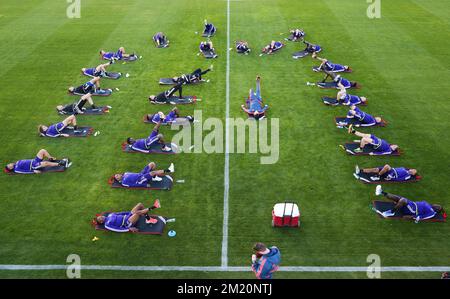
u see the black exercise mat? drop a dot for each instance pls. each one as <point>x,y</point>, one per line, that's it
<point>209,54</point>
<point>92,111</point>
<point>165,184</point>
<point>108,75</point>
<point>327,85</point>
<point>99,92</point>
<point>180,101</point>
<point>154,149</point>
<point>316,69</point>
<point>130,58</point>
<point>350,147</point>
<point>383,206</point>
<point>170,81</point>
<point>367,178</point>
<point>300,54</point>
<point>79,132</point>
<point>178,120</point>
<point>357,122</point>
<point>334,102</point>
<point>142,226</point>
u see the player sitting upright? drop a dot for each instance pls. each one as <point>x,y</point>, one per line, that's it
<point>380,146</point>
<point>209,29</point>
<point>160,40</point>
<point>255,107</point>
<point>242,47</point>
<point>296,34</point>
<point>144,145</point>
<point>328,66</point>
<point>417,210</point>
<point>55,130</point>
<point>34,165</point>
<point>388,173</point>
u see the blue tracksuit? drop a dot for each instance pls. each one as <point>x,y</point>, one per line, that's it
<point>267,264</point>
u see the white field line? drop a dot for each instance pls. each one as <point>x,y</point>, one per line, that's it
<point>223,269</point>
<point>226,180</point>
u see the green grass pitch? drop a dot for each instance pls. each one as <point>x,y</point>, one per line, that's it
<point>400,60</point>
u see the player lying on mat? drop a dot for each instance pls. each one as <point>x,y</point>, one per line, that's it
<point>388,173</point>
<point>194,77</point>
<point>167,119</point>
<point>56,129</point>
<point>347,99</point>
<point>272,47</point>
<point>98,71</point>
<point>42,159</point>
<point>164,97</point>
<point>119,55</point>
<point>76,107</point>
<point>312,48</point>
<point>366,120</point>
<point>254,105</point>
<point>417,210</point>
<point>143,145</point>
<point>296,34</point>
<point>380,146</point>
<point>123,222</point>
<point>160,39</point>
<point>89,87</point>
<point>242,47</point>
<point>338,79</point>
<point>141,179</point>
<point>209,29</point>
<point>328,66</point>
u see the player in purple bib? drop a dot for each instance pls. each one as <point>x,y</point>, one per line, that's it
<point>56,130</point>
<point>380,146</point>
<point>144,145</point>
<point>327,65</point>
<point>123,222</point>
<point>30,166</point>
<point>160,39</point>
<point>388,173</point>
<point>141,179</point>
<point>98,71</point>
<point>417,210</point>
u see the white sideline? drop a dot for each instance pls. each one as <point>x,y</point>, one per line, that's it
<point>226,180</point>
<point>223,269</point>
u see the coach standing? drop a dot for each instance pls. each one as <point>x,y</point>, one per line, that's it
<point>265,261</point>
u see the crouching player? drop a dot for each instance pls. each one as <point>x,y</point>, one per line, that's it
<point>141,179</point>
<point>388,173</point>
<point>417,210</point>
<point>144,145</point>
<point>265,261</point>
<point>123,222</point>
<point>30,166</point>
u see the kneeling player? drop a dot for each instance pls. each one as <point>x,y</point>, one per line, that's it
<point>417,210</point>
<point>56,129</point>
<point>144,145</point>
<point>380,146</point>
<point>388,173</point>
<point>34,165</point>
